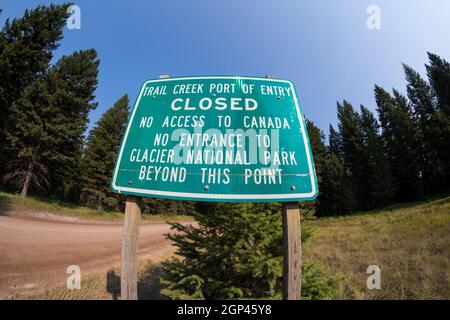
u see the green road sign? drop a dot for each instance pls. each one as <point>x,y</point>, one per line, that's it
<point>216,139</point>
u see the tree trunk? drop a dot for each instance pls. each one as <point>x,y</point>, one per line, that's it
<point>99,203</point>
<point>26,183</point>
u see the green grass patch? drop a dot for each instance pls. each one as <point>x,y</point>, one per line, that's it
<point>9,201</point>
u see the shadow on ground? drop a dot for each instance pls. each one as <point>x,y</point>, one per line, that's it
<point>148,283</point>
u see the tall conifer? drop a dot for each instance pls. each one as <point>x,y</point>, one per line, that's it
<point>100,153</point>
<point>45,139</point>
<point>379,185</point>
<point>438,71</point>
<point>26,48</point>
<point>352,150</point>
<point>400,140</point>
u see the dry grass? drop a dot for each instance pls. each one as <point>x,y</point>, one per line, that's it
<point>103,286</point>
<point>106,285</point>
<point>411,245</point>
<point>57,207</point>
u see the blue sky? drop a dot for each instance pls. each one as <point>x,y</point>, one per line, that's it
<point>324,47</point>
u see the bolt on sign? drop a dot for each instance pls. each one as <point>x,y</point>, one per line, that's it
<point>216,139</point>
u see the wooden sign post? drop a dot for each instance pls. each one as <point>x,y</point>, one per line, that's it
<point>292,245</point>
<point>129,263</point>
<point>130,241</point>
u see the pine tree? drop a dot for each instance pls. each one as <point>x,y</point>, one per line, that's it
<point>438,71</point>
<point>73,80</point>
<point>101,149</point>
<point>335,143</point>
<point>319,150</point>
<point>28,139</point>
<point>50,119</point>
<point>400,141</point>
<point>350,136</point>
<point>379,188</point>
<point>26,46</point>
<point>335,197</point>
<point>423,102</point>
<point>234,252</point>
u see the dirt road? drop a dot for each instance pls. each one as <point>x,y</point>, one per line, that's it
<point>35,253</point>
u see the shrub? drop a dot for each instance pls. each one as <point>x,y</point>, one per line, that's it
<point>235,252</point>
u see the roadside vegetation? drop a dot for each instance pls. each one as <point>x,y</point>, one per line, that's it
<point>410,243</point>
<point>103,286</point>
<point>10,202</point>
